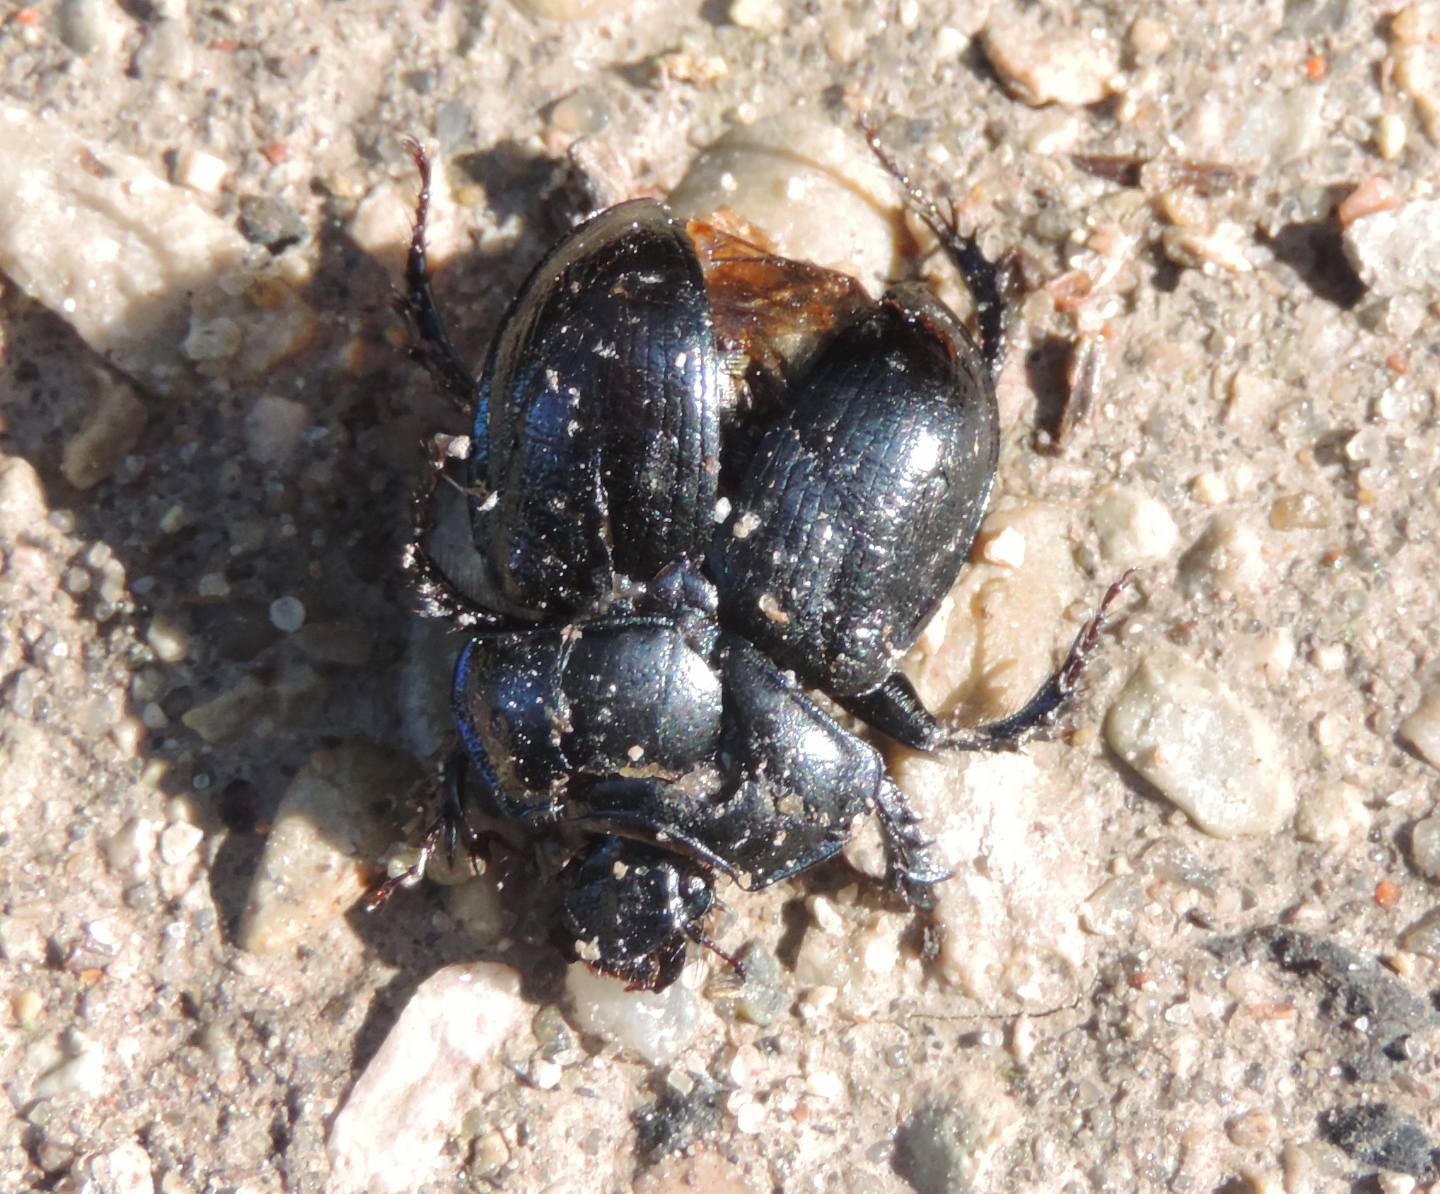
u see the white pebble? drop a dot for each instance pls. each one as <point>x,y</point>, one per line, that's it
<point>179,841</point>
<point>287,614</point>
<point>545,1074</point>
<point>1425,847</point>
<point>391,1133</point>
<point>748,1112</point>
<point>1390,135</point>
<point>1006,548</point>
<point>200,171</point>
<point>272,428</point>
<point>826,916</point>
<point>1186,732</point>
<point>653,1026</point>
<point>1422,728</point>
<point>1209,489</point>
<point>1332,814</point>
<point>825,1084</point>
<point>1041,64</point>
<point>1220,247</point>
<point>129,849</point>
<point>90,26</point>
<point>1229,558</point>
<point>82,1072</point>
<point>168,640</point>
<point>760,16</point>
<point>1398,251</point>
<point>1133,527</point>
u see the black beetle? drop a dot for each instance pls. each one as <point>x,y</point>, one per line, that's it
<point>636,672</point>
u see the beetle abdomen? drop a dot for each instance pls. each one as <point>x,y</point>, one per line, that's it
<point>862,501</point>
<point>597,437</point>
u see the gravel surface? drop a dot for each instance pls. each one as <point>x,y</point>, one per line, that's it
<point>1190,944</point>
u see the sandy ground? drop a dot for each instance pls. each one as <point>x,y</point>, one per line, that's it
<point>217,708</point>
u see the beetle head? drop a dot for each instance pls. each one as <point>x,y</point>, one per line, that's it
<point>629,909</point>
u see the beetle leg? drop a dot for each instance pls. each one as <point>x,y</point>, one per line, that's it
<point>1041,710</point>
<point>895,709</point>
<point>430,345</point>
<point>440,596</point>
<point>982,277</point>
<point>452,826</point>
<point>732,960</point>
<point>913,865</point>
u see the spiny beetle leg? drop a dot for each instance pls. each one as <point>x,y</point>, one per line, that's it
<point>913,865</point>
<point>450,828</point>
<point>431,345</point>
<point>981,275</point>
<point>1041,710</point>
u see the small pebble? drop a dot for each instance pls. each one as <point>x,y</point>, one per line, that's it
<point>1186,732</point>
<point>748,1113</point>
<point>167,639</point>
<point>1209,489</point>
<point>179,841</point>
<point>759,16</point>
<point>1005,548</point>
<point>1298,512</point>
<point>271,221</point>
<point>1150,36</point>
<point>1041,64</point>
<point>110,432</point>
<point>230,712</point>
<point>90,26</point>
<point>655,1026</point>
<point>1133,528</point>
<point>1331,814</point>
<point>217,339</point>
<point>826,1085</point>
<point>199,170</point>
<point>1425,846</point>
<point>1251,1129</point>
<point>1423,937</point>
<point>129,849</point>
<point>1228,558</point>
<point>84,1070</point>
<point>1279,126</point>
<point>545,1075</point>
<point>1220,247</point>
<point>1390,135</point>
<point>1398,250</point>
<point>1422,728</point>
<point>318,857</point>
<point>26,1006</point>
<point>287,614</point>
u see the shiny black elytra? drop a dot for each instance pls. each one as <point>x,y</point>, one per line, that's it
<point>636,673</point>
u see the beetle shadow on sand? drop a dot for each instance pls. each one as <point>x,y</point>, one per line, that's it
<point>212,526</point>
